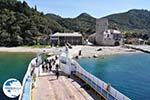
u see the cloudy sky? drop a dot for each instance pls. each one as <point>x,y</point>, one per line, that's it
<point>96,8</point>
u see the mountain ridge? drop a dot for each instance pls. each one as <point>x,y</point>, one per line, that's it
<point>132,21</point>
<point>21,24</point>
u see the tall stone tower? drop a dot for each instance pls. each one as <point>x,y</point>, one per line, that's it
<point>101,26</point>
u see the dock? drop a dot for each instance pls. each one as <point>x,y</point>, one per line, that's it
<point>74,83</point>
<point>143,48</point>
<point>48,87</point>
<point>63,88</point>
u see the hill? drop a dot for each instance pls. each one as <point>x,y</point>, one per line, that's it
<point>83,23</point>
<point>135,21</point>
<point>23,25</point>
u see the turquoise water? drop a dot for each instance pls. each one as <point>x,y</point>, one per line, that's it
<point>13,65</point>
<point>130,73</point>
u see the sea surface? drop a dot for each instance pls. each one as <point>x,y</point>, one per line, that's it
<point>128,73</point>
<point>13,65</point>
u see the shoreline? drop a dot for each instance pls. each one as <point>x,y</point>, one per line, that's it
<point>92,51</point>
<point>87,51</point>
<point>21,49</point>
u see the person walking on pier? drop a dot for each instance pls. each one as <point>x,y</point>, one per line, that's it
<point>57,71</point>
<point>54,62</point>
<point>50,66</point>
<point>108,87</point>
<point>43,68</point>
<point>46,65</point>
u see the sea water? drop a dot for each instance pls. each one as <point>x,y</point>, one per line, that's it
<point>13,65</point>
<point>128,73</point>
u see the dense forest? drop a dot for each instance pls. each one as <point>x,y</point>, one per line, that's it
<point>135,23</point>
<point>83,23</point>
<point>24,25</point>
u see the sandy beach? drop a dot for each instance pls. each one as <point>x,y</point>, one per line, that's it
<point>25,49</point>
<point>93,51</point>
<point>87,51</point>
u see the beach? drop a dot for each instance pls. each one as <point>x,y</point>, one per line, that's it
<point>86,51</point>
<point>99,51</point>
<point>22,49</point>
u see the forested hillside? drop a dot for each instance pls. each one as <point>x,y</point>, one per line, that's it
<point>83,23</point>
<point>24,25</point>
<point>135,23</point>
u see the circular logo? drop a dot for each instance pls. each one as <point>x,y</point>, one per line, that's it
<point>12,88</point>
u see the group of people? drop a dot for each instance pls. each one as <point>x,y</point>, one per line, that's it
<point>48,65</point>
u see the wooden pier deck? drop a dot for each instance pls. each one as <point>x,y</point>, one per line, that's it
<point>63,88</point>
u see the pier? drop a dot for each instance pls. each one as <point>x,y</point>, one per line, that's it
<point>74,83</point>
<point>143,48</point>
<point>63,88</point>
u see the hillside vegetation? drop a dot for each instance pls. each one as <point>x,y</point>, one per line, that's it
<point>134,22</point>
<point>23,25</point>
<point>83,23</point>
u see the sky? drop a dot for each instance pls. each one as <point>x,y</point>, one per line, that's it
<point>96,8</point>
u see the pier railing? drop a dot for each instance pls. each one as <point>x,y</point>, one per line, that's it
<point>97,84</point>
<point>27,83</point>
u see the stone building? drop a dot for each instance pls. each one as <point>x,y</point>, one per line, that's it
<point>62,38</point>
<point>105,36</point>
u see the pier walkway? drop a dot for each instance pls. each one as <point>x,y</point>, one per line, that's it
<point>81,85</point>
<point>143,48</point>
<point>63,88</point>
